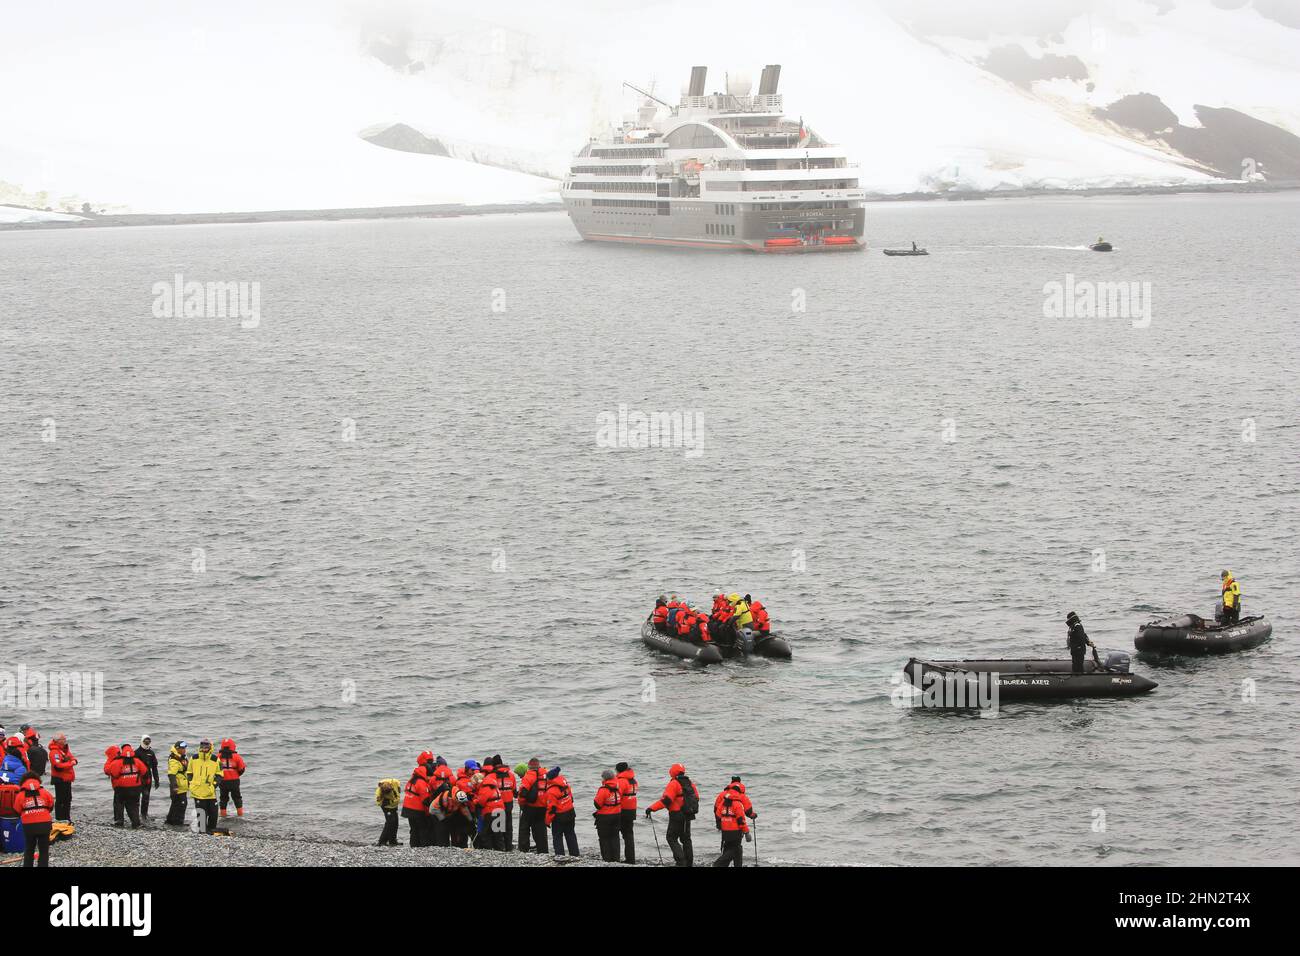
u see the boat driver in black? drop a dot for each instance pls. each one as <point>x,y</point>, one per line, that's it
<point>1077,641</point>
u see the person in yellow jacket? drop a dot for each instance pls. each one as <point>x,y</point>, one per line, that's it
<point>204,771</point>
<point>741,606</point>
<point>1231,592</point>
<point>178,782</point>
<point>388,797</point>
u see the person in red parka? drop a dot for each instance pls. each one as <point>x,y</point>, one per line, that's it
<point>532,813</point>
<point>62,772</point>
<point>681,799</point>
<point>491,807</point>
<point>627,787</point>
<point>609,808</point>
<point>762,623</point>
<point>659,616</point>
<point>127,774</point>
<point>730,807</point>
<point>232,768</point>
<point>560,814</point>
<point>415,807</point>
<point>33,805</point>
<point>508,783</point>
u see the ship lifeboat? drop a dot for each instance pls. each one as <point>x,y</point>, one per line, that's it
<point>839,240</point>
<point>783,241</point>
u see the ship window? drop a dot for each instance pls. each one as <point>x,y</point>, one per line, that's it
<point>694,136</point>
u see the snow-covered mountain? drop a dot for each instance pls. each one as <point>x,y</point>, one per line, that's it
<point>344,103</point>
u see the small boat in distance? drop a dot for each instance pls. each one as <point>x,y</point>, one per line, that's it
<point>914,251</point>
<point>1190,634</point>
<point>1101,245</point>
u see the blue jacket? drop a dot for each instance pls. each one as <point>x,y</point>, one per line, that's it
<point>12,770</point>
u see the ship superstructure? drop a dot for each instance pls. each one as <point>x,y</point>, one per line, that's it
<point>722,170</point>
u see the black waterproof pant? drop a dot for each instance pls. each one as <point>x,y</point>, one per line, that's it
<point>63,800</point>
<point>458,830</point>
<point>209,809</point>
<point>388,836</point>
<point>532,827</point>
<point>420,830</point>
<point>679,839</point>
<point>627,827</point>
<point>230,791</point>
<point>176,812</point>
<point>126,802</point>
<point>439,831</point>
<point>607,828</point>
<point>144,798</point>
<point>1076,660</point>
<point>37,837</point>
<point>733,849</point>
<point>564,834</point>
<point>1231,615</point>
<point>510,826</point>
<point>492,831</point>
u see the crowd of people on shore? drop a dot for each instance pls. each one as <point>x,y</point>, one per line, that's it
<point>133,771</point>
<point>474,806</point>
<point>729,616</point>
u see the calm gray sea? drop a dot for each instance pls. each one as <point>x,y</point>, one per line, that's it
<point>410,535</point>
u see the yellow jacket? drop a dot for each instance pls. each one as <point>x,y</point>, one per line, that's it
<point>743,617</point>
<point>1231,591</point>
<point>388,794</point>
<point>204,773</point>
<point>176,770</point>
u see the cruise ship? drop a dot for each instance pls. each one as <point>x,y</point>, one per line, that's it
<point>721,171</point>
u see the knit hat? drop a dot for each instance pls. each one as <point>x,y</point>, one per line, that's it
<point>521,769</point>
<point>496,760</point>
<point>606,775</point>
<point>534,762</point>
<point>620,766</point>
<point>553,772</point>
<point>440,762</point>
<point>735,780</point>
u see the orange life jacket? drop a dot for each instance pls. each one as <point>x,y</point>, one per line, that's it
<point>628,786</point>
<point>534,780</point>
<point>417,792</point>
<point>731,811</point>
<point>559,798</point>
<point>34,803</point>
<point>608,799</point>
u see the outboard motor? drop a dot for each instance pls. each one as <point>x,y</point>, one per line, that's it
<point>1116,662</point>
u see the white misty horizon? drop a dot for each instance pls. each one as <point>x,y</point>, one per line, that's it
<point>176,111</point>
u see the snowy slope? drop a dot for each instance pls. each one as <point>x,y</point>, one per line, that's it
<point>263,106</point>
<point>15,214</point>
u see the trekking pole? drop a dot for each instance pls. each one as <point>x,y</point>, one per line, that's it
<point>754,826</point>
<point>656,836</point>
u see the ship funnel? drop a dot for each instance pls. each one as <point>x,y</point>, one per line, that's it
<point>770,79</point>
<point>698,73</point>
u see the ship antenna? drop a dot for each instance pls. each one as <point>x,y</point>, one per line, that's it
<point>644,93</point>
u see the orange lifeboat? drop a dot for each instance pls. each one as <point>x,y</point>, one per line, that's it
<point>783,241</point>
